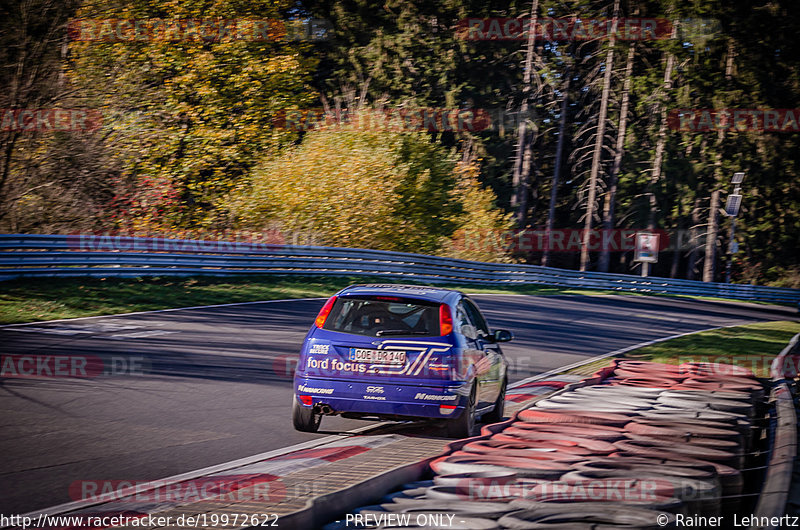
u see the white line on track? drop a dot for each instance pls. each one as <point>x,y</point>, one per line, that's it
<point>189,475</point>
<point>162,311</point>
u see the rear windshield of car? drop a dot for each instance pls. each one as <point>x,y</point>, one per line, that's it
<point>384,316</point>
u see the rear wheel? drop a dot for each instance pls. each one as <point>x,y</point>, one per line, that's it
<point>462,426</point>
<point>498,412</point>
<point>303,418</point>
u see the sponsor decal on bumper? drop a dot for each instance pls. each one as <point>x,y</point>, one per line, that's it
<point>435,397</point>
<point>314,390</point>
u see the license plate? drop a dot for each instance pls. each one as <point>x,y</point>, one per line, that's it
<point>361,355</point>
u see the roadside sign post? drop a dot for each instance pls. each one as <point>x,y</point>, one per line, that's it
<point>732,210</point>
<point>646,250</point>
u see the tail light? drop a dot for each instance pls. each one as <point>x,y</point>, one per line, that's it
<point>324,312</point>
<point>445,320</point>
<point>306,400</point>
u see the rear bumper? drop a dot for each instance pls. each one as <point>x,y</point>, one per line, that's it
<point>384,399</point>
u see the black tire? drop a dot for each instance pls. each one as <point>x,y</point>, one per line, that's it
<point>463,426</point>
<point>498,412</point>
<point>304,419</point>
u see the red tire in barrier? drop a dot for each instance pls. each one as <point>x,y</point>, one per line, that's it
<point>523,449</point>
<point>595,432</point>
<point>565,447</point>
<point>534,415</point>
<point>713,383</point>
<point>757,393</point>
<point>716,368</point>
<point>530,454</point>
<point>643,381</point>
<point>718,378</point>
<point>647,366</point>
<point>593,444</point>
<point>672,378</point>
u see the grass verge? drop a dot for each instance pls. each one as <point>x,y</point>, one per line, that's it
<point>751,346</point>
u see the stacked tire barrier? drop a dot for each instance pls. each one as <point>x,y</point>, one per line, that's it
<point>648,446</point>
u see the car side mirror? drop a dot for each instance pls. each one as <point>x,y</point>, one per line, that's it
<point>502,335</point>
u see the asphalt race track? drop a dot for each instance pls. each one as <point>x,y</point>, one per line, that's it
<point>213,384</point>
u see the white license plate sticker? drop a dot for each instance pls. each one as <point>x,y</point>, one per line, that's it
<point>361,355</point>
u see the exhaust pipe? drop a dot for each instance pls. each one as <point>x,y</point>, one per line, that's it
<point>323,408</point>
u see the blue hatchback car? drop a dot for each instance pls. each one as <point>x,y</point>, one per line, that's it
<point>401,352</point>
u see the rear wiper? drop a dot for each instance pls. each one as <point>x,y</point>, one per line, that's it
<point>400,332</point>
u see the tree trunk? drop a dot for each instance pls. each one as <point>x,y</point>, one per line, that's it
<point>522,161</point>
<point>693,241</point>
<point>655,176</point>
<point>679,236</point>
<point>710,261</point>
<point>598,144</point>
<point>611,193</point>
<point>562,133</point>
<point>711,238</point>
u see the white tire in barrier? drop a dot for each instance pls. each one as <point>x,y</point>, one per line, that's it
<point>700,496</point>
<point>725,405</point>
<point>588,516</point>
<point>614,400</point>
<point>492,477</point>
<point>661,504</point>
<point>609,390</point>
<point>703,395</point>
<point>716,415</point>
<point>460,523</point>
<point>490,510</point>
<point>505,493</point>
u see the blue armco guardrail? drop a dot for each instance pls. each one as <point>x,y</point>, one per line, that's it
<point>90,255</point>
